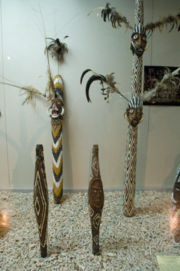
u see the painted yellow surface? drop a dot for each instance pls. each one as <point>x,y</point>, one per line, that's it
<point>169,263</point>
<point>58,169</point>
<point>56,128</point>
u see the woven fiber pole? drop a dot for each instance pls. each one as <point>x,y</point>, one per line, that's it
<point>57,112</point>
<point>134,110</point>
<point>40,199</point>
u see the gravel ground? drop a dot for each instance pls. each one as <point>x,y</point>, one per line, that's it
<point>126,243</point>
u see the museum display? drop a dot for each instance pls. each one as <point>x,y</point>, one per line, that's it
<point>40,199</point>
<point>95,199</point>
<point>54,215</point>
<point>134,113</point>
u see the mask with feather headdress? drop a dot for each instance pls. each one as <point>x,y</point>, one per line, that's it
<point>138,40</point>
<point>134,111</point>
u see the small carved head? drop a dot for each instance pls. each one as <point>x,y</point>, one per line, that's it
<point>96,194</point>
<point>138,40</point>
<point>57,109</point>
<point>134,111</point>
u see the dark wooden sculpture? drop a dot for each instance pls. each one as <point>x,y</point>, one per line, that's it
<point>175,218</point>
<point>41,199</point>
<point>96,199</point>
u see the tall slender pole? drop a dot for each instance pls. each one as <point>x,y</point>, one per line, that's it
<point>57,113</point>
<point>134,110</point>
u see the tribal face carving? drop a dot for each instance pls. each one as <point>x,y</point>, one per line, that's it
<point>57,106</point>
<point>138,40</point>
<point>57,109</point>
<point>96,194</point>
<point>134,115</point>
<point>134,111</point>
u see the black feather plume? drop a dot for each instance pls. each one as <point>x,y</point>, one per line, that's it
<point>93,78</point>
<point>110,14</point>
<point>82,75</point>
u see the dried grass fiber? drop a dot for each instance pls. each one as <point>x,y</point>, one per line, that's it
<point>126,243</point>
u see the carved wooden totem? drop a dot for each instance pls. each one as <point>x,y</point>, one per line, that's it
<point>134,110</point>
<point>41,199</point>
<point>96,199</point>
<point>57,113</point>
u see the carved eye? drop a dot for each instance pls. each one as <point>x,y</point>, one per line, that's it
<point>131,111</point>
<point>135,36</point>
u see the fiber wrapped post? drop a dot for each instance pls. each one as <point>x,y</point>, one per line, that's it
<point>41,199</point>
<point>134,116</point>
<point>96,199</point>
<point>57,113</point>
<point>134,110</point>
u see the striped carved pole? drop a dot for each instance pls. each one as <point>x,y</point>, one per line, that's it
<point>134,110</point>
<point>40,199</point>
<point>57,112</point>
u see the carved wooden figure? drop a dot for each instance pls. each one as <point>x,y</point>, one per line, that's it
<point>96,199</point>
<point>41,199</point>
<point>57,113</point>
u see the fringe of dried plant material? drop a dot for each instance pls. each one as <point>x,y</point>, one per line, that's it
<point>50,91</point>
<point>111,87</point>
<point>170,21</point>
<point>29,90</point>
<point>125,243</point>
<point>169,81</point>
<point>32,92</point>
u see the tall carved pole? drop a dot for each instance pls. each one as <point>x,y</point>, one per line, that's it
<point>41,199</point>
<point>96,199</point>
<point>134,110</point>
<point>57,113</point>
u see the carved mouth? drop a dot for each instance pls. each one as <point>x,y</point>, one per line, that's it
<point>55,113</point>
<point>139,51</point>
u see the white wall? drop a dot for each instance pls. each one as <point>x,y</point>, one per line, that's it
<point>92,44</point>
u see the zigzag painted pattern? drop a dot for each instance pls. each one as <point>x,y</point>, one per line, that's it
<point>57,149</point>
